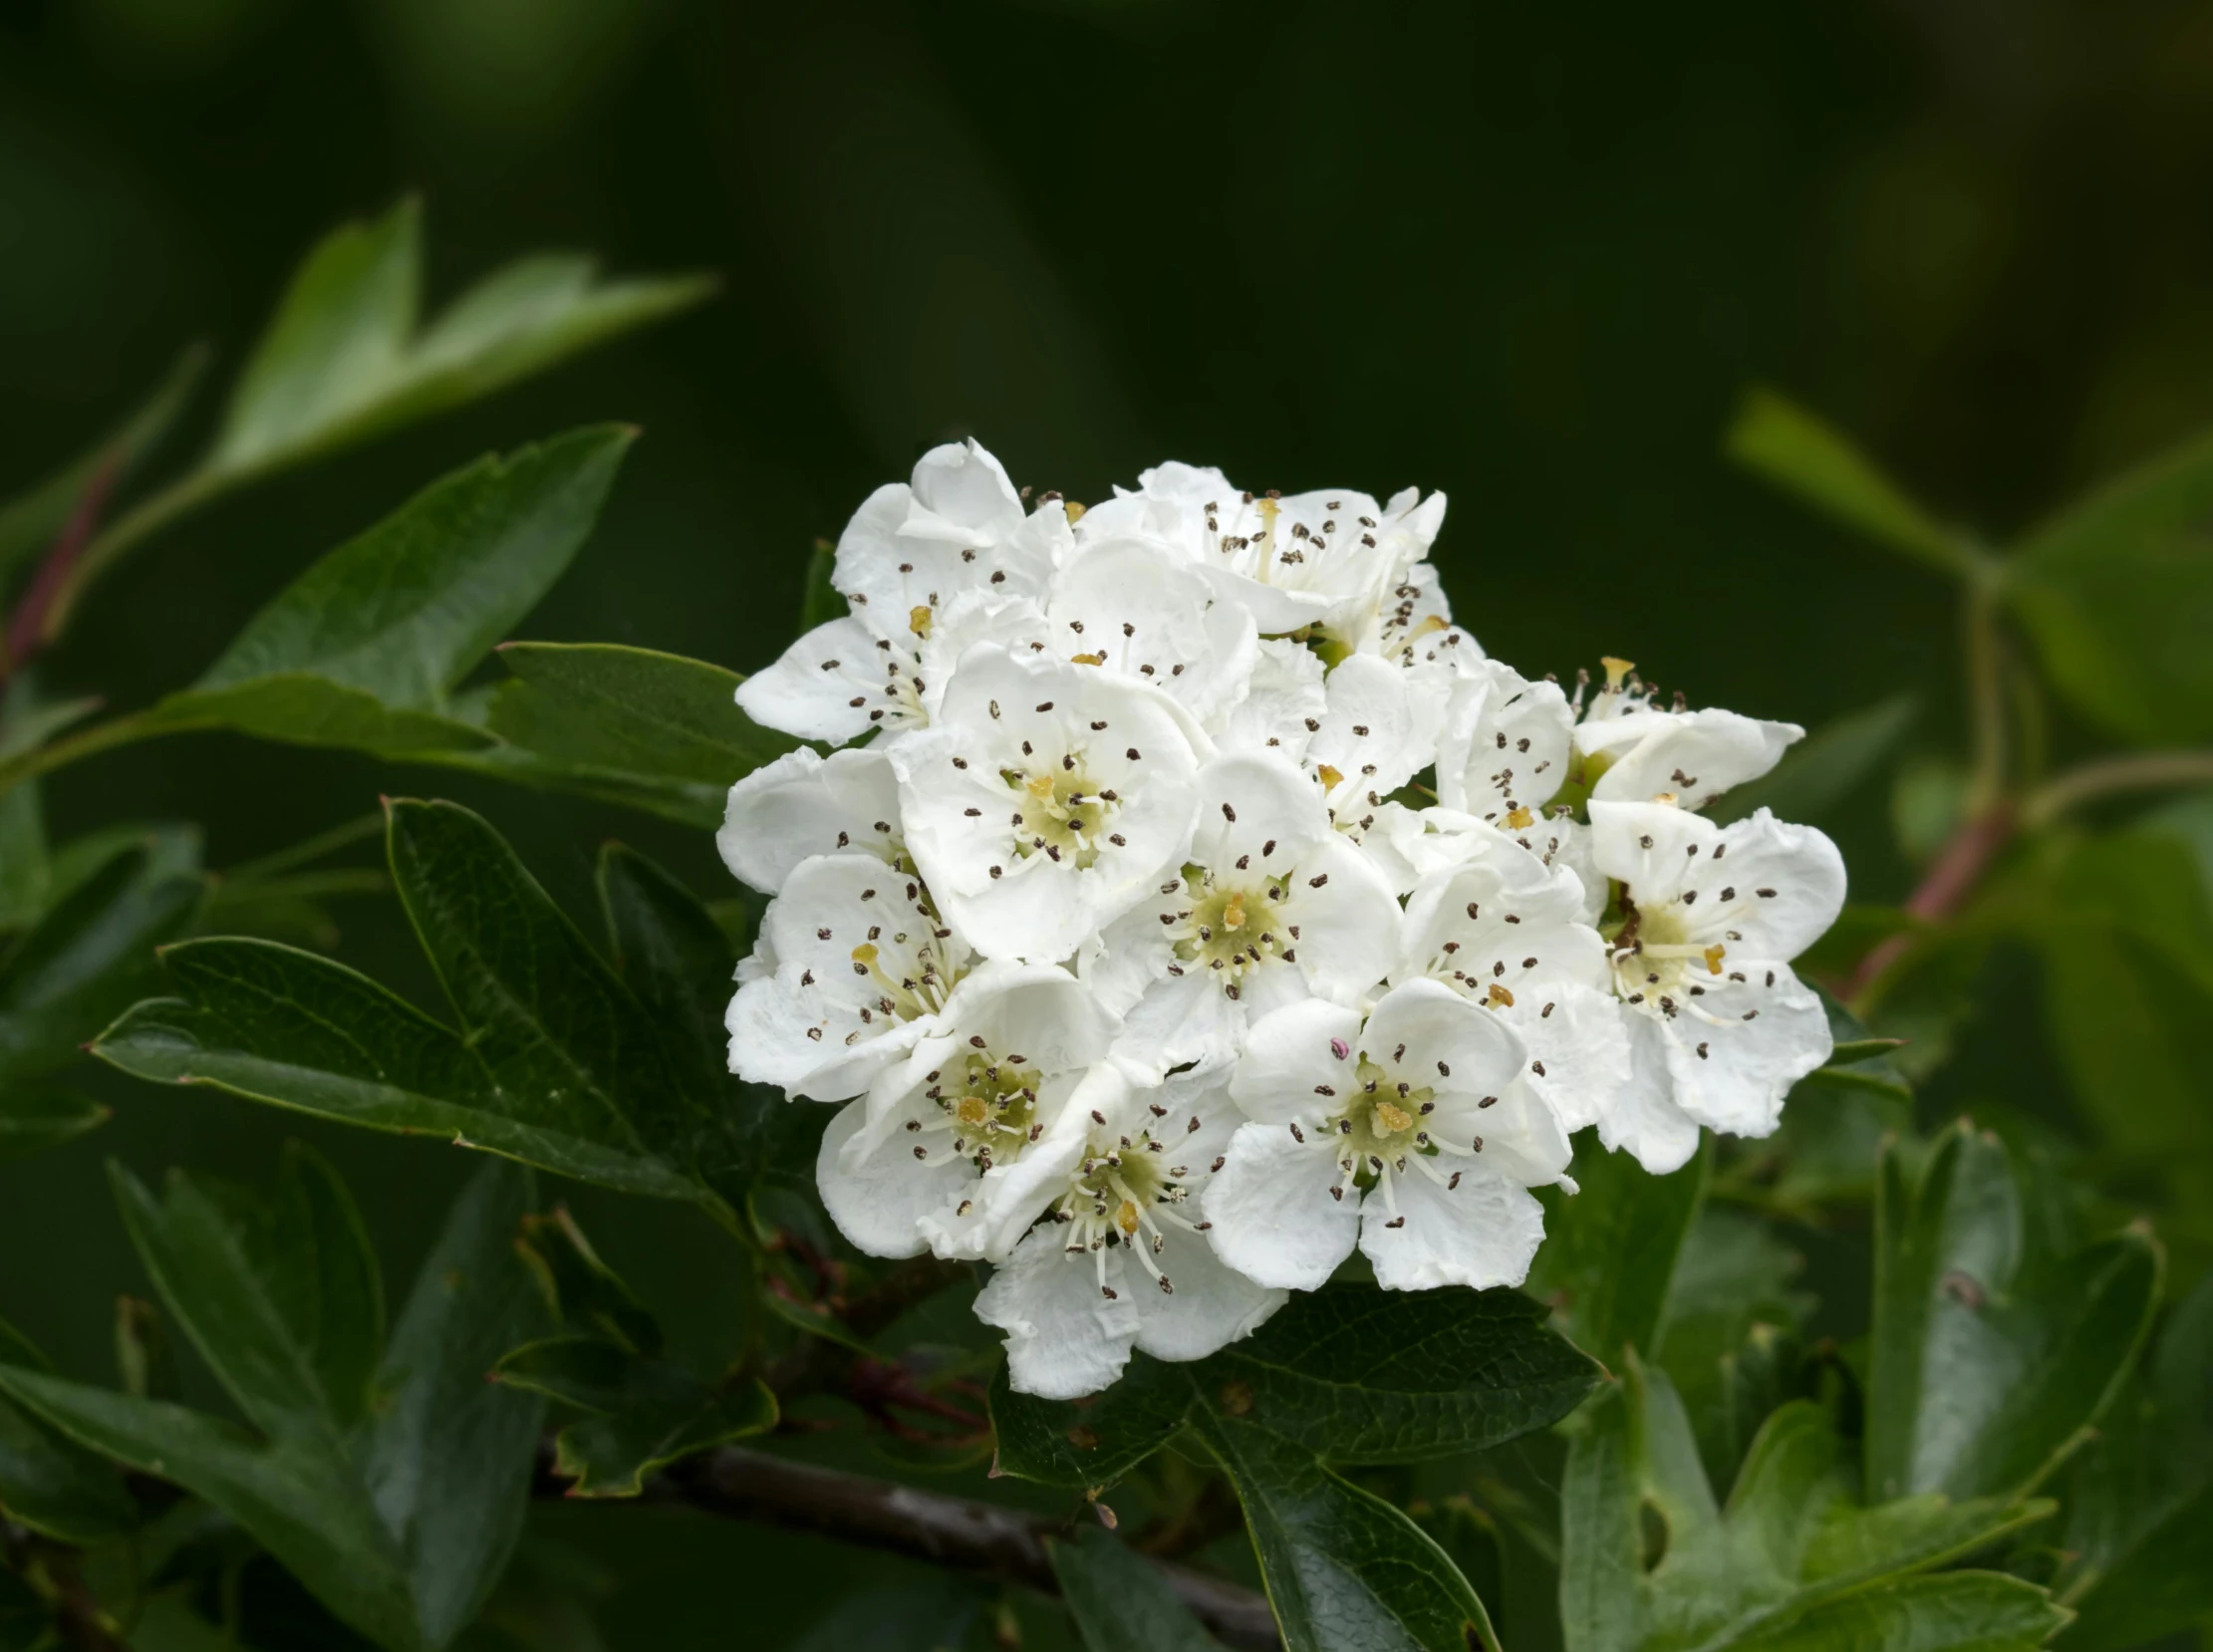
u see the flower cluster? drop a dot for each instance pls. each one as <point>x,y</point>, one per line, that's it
<point>1189,902</point>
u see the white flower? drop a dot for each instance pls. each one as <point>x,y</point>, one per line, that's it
<point>1269,906</point>
<point>928,570</point>
<point>1283,706</point>
<point>851,970</point>
<point>1327,558</point>
<point>805,804</point>
<point>1633,752</point>
<point>1049,799</point>
<point>1507,932</point>
<point>1501,744</point>
<point>926,1160</point>
<point>1130,605</point>
<point>1720,1029</point>
<point>1413,1135</point>
<point>1119,1260</point>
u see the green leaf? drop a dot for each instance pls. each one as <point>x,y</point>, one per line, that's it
<point>343,358</point>
<point>1649,1561</point>
<point>406,609</point>
<point>1733,1311</point>
<point>1827,769</point>
<point>645,1413</point>
<point>1990,1362</point>
<point>324,1279</point>
<point>1801,453</point>
<point>87,956</point>
<point>1350,1372</point>
<point>33,1120</point>
<point>48,1481</point>
<point>624,710</point>
<point>400,1526</point>
<point>1962,1611</point>
<point>556,1063</point>
<point>449,1454</point>
<point>934,1615</point>
<point>2113,593</point>
<point>1119,1602</point>
<point>26,870</point>
<point>1345,1570</point>
<point>1610,1251</point>
<point>31,522</point>
<point>2140,1514</point>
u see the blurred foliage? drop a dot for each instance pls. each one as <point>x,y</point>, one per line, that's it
<point>1530,260</point>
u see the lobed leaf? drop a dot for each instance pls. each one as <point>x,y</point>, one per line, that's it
<point>1610,1251</point>
<point>1120,1603</point>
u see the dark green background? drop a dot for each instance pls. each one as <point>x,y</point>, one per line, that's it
<point>1527,254</point>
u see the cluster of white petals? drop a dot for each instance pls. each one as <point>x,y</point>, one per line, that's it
<point>1190,903</point>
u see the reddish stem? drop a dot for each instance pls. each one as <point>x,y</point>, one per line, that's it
<point>1959,866</point>
<point>26,627</point>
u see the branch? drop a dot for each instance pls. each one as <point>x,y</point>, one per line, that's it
<point>955,1533</point>
<point>26,632</point>
<point>2139,771</point>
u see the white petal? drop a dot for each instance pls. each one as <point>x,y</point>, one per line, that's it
<point>1522,1141</point>
<point>1799,864</point>
<point>1377,733</point>
<point>1212,1306</point>
<point>1143,612</point>
<point>878,1198</point>
<point>823,687</point>
<point>805,804</point>
<point>1584,1046</point>
<point>1642,1119</point>
<point>1289,1056</point>
<point>1504,741</point>
<point>1065,1339</point>
<point>1694,756</point>
<point>1183,1018</point>
<point>1283,706</point>
<point>966,486</point>
<point>1481,1233</point>
<point>1734,1076</point>
<point>1421,1023</point>
<point>1274,1220</point>
<point>1347,919</point>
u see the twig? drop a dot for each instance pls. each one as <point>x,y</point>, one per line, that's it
<point>955,1533</point>
<point>78,1619</point>
<point>26,628</point>
<point>1951,878</point>
<point>2139,771</point>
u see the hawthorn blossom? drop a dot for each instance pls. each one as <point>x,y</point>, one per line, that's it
<point>1412,1133</point>
<point>1269,906</point>
<point>1049,799</point>
<point>1633,752</point>
<point>1327,558</point>
<point>805,804</point>
<point>851,971</point>
<point>1118,1257</point>
<point>924,1160</point>
<point>929,569</point>
<point>1129,606</point>
<point>1507,932</point>
<point>1720,1027</point>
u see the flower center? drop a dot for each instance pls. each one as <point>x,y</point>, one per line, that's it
<point>1123,1194</point>
<point>987,1103</point>
<point>1657,966</point>
<point>1230,928</point>
<point>906,998</point>
<point>1059,813</point>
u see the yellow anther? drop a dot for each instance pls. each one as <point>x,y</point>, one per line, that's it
<point>865,953</point>
<point>1616,669</point>
<point>972,1110</point>
<point>1430,623</point>
<point>1087,659</point>
<point>1040,786</point>
<point>1329,778</point>
<point>1232,913</point>
<point>918,619</point>
<point>1520,818</point>
<point>1714,954</point>
<point>1667,798</point>
<point>1392,1118</point>
<point>1125,1217</point>
<point>1500,995</point>
<point>1074,511</point>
